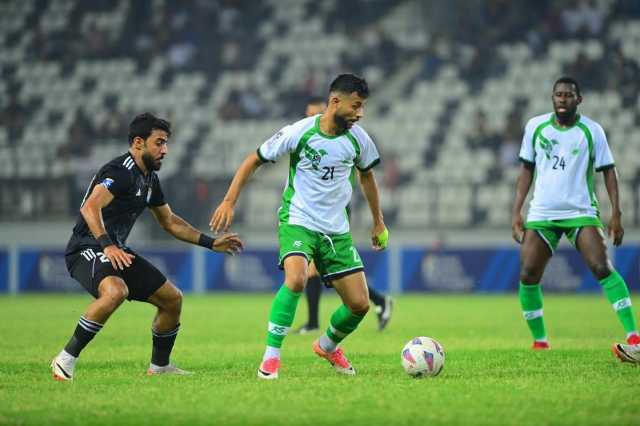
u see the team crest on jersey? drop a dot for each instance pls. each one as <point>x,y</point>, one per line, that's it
<point>547,145</point>
<point>314,156</point>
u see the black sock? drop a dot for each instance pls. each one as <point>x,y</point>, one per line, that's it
<point>85,331</point>
<point>313,290</point>
<point>376,297</point>
<point>162,345</point>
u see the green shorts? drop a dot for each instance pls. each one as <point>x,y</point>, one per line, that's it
<point>551,230</point>
<point>334,255</point>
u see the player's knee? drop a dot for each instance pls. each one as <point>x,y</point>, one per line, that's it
<point>296,281</point>
<point>115,295</point>
<point>173,303</point>
<point>601,270</point>
<point>176,302</point>
<point>529,275</point>
<point>359,307</point>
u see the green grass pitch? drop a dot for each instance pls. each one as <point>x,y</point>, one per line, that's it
<point>490,375</point>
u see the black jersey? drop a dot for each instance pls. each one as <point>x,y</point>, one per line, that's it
<point>132,191</point>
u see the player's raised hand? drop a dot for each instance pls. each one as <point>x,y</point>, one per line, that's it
<point>615,230</point>
<point>228,243</point>
<point>119,258</point>
<point>517,228</point>
<point>379,236</point>
<point>222,217</point>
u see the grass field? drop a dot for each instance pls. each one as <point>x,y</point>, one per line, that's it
<point>490,375</point>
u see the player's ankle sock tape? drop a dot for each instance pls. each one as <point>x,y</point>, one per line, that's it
<point>84,332</point>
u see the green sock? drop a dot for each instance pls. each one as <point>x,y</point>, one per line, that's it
<point>283,310</point>
<point>531,302</point>
<point>618,295</point>
<point>343,322</point>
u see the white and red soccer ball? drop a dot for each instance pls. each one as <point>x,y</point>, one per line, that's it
<point>422,357</point>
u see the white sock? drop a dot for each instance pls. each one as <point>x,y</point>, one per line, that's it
<point>156,367</point>
<point>271,352</point>
<point>67,358</point>
<point>327,344</point>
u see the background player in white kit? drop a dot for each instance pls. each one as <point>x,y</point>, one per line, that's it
<point>313,221</point>
<point>565,149</point>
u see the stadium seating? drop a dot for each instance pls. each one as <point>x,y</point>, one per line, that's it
<point>426,120</point>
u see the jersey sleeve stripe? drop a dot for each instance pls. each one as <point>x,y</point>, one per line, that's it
<point>605,167</point>
<point>261,157</point>
<point>128,163</point>
<point>527,162</point>
<point>370,166</point>
<point>536,133</point>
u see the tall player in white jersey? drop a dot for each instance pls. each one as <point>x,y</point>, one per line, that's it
<point>564,150</point>
<point>314,225</point>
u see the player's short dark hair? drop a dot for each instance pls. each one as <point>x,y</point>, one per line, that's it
<point>145,123</point>
<point>349,83</point>
<point>568,80</point>
<point>314,100</point>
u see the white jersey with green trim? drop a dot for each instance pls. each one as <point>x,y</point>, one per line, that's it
<point>318,187</point>
<point>565,160</point>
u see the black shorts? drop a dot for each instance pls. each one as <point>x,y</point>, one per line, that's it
<point>90,266</point>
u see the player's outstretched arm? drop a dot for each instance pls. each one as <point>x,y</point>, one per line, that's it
<point>379,233</point>
<point>615,229</point>
<point>91,211</point>
<point>522,189</point>
<point>223,215</point>
<point>183,230</point>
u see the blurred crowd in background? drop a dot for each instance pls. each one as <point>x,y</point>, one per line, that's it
<point>203,47</point>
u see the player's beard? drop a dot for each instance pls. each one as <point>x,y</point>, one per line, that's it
<point>341,123</point>
<point>150,163</point>
<point>568,116</point>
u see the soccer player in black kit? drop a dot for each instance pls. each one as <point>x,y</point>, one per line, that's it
<point>98,258</point>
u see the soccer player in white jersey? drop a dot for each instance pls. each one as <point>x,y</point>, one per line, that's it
<point>322,151</point>
<point>564,149</point>
<point>313,289</point>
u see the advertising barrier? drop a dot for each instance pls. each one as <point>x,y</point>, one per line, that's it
<point>489,270</point>
<point>405,269</point>
<point>4,271</point>
<point>45,270</point>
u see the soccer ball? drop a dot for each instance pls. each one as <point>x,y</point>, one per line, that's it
<point>422,356</point>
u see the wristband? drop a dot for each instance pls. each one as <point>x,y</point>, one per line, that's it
<point>104,240</point>
<point>206,241</point>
